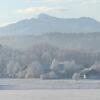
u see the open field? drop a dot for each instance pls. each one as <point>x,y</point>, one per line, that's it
<point>30,84</point>
<point>50,95</point>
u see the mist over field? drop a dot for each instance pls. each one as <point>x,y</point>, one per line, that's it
<point>50,56</point>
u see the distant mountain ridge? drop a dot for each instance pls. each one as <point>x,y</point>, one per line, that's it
<point>49,24</point>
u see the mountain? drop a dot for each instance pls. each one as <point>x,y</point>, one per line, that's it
<point>46,24</point>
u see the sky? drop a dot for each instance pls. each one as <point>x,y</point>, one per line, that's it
<point>15,10</point>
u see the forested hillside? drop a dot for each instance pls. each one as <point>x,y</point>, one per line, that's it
<point>49,61</point>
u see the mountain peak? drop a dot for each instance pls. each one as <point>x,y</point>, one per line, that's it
<point>44,16</point>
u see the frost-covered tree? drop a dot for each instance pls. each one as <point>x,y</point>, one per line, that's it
<point>49,75</point>
<point>52,75</point>
<point>54,65</point>
<point>34,70</point>
<point>70,67</point>
<point>46,57</point>
<point>96,66</point>
<point>13,68</point>
<point>21,74</point>
<point>76,76</point>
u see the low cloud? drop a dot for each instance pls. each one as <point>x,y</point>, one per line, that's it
<point>54,1</point>
<point>41,10</point>
<point>66,1</point>
<point>27,0</point>
<point>91,2</point>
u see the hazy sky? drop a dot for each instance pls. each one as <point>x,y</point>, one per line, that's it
<point>14,10</point>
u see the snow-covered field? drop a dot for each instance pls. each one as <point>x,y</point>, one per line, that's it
<point>23,89</point>
<point>30,84</point>
<point>50,94</point>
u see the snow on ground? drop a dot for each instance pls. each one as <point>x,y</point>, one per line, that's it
<point>50,94</point>
<point>30,89</point>
<point>29,84</point>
